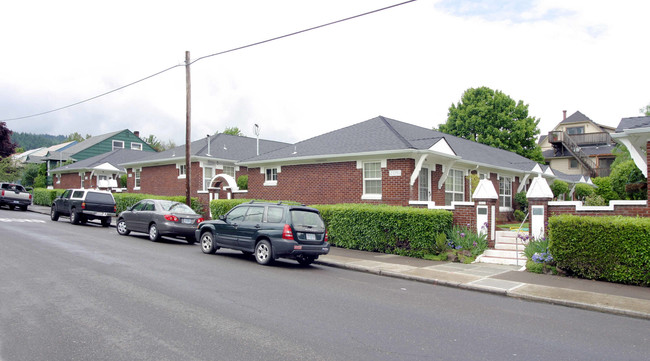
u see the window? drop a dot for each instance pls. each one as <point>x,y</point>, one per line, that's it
<point>274,215</point>
<point>208,174</point>
<point>271,177</point>
<point>423,185</point>
<point>255,214</point>
<point>454,187</point>
<point>137,179</point>
<point>118,144</point>
<point>505,192</point>
<point>229,170</point>
<point>575,130</point>
<point>136,146</point>
<point>372,179</point>
<point>573,163</point>
<point>237,214</point>
<point>181,171</point>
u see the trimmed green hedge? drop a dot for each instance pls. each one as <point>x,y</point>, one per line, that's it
<point>385,229</point>
<point>615,248</point>
<point>45,197</point>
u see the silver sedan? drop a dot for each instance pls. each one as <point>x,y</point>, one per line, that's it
<point>159,218</point>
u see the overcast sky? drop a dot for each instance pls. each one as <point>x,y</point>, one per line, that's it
<point>409,63</point>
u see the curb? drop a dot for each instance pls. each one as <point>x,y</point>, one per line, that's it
<point>507,293</point>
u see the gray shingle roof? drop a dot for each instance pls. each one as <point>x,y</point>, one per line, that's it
<point>115,158</point>
<point>80,146</point>
<point>576,117</point>
<point>383,134</point>
<point>222,146</point>
<point>633,123</point>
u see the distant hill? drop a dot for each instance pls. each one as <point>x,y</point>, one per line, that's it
<point>29,141</point>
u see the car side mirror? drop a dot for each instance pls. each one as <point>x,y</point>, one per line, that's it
<point>222,217</point>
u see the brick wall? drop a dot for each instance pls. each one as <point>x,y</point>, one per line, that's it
<point>331,183</point>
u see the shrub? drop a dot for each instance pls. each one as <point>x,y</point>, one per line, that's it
<point>604,188</point>
<point>123,179</point>
<point>595,200</point>
<point>519,215</point>
<point>535,246</point>
<point>386,229</point>
<point>559,188</point>
<point>522,200</point>
<point>627,173</point>
<point>45,197</point>
<point>613,248</point>
<point>583,191</point>
<point>242,182</point>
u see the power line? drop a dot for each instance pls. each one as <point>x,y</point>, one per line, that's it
<point>211,55</point>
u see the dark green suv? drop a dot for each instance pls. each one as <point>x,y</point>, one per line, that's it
<point>269,231</point>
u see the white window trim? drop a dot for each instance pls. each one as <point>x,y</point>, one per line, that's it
<point>372,196</point>
<point>137,171</point>
<point>505,208</point>
<point>138,146</point>
<point>204,188</point>
<point>267,182</point>
<point>117,141</point>
<point>179,167</point>
<point>462,182</point>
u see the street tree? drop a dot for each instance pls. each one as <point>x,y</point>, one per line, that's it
<point>7,146</point>
<point>491,117</point>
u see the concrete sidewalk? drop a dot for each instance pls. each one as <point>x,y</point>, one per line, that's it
<point>503,280</point>
<point>508,281</point>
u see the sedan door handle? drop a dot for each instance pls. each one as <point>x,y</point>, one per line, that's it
<point>258,226</point>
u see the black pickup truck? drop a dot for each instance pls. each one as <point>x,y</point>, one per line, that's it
<point>82,205</point>
<point>14,195</point>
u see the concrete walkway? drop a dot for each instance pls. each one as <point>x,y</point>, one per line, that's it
<point>508,281</point>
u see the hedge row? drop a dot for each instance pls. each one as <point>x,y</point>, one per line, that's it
<point>614,249</point>
<point>377,228</point>
<point>45,197</point>
<point>385,229</point>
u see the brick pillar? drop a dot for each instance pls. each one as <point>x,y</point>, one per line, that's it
<point>492,209</point>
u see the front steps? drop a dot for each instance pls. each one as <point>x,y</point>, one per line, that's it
<point>507,250</point>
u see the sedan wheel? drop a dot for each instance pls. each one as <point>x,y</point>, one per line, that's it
<point>121,228</point>
<point>263,253</point>
<point>207,243</point>
<point>154,236</point>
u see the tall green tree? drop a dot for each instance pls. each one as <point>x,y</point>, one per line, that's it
<point>491,117</point>
<point>78,137</point>
<point>7,146</point>
<point>9,171</point>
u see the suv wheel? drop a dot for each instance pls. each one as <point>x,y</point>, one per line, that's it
<point>263,253</point>
<point>154,236</point>
<point>207,243</point>
<point>54,215</point>
<point>121,227</point>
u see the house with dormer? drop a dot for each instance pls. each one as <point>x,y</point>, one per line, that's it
<point>578,145</point>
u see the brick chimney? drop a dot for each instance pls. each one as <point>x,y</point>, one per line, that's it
<point>564,112</point>
<point>137,132</point>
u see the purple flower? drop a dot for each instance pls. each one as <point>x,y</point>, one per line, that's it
<point>462,235</point>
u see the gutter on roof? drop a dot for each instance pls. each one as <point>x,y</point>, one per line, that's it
<point>342,157</point>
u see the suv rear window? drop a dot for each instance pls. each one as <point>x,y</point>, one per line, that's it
<point>99,197</point>
<point>306,219</point>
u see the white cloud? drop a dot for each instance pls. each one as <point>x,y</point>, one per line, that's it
<point>410,63</point>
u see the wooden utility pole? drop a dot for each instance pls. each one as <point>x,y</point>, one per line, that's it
<point>188,128</point>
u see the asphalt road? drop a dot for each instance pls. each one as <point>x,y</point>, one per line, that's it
<point>85,293</point>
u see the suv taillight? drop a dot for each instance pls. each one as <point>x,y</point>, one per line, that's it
<point>326,237</point>
<point>171,218</point>
<point>83,205</point>
<point>286,233</point>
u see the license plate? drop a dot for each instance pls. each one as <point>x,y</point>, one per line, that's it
<point>104,214</point>
<point>311,237</point>
<point>16,202</point>
<point>188,221</point>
